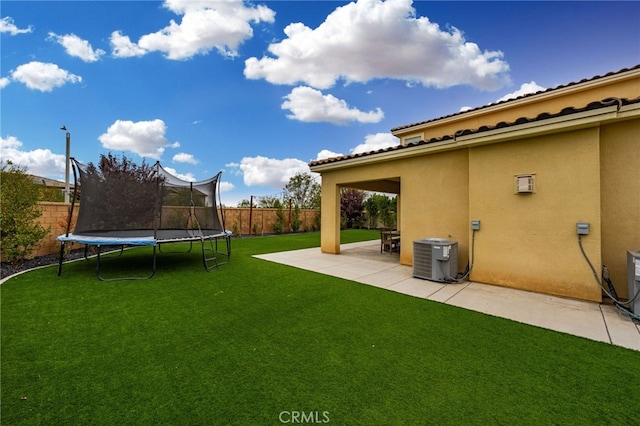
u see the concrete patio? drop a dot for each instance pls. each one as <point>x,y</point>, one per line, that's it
<point>363,263</point>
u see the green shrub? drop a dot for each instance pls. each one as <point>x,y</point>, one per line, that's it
<point>20,233</point>
<point>295,219</point>
<point>278,226</point>
<point>316,222</point>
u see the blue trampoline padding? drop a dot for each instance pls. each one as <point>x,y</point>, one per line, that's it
<point>141,237</point>
<point>108,241</point>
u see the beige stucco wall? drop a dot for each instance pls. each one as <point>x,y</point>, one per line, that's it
<point>330,219</point>
<point>620,184</point>
<point>525,241</point>
<point>530,241</point>
<point>586,167</point>
<point>435,202</point>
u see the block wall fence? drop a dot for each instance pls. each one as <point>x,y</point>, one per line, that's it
<point>241,221</point>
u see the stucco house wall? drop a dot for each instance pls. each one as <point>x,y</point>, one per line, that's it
<point>435,202</point>
<point>583,150</point>
<point>529,240</point>
<point>620,197</point>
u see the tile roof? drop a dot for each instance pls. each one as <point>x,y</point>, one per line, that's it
<point>585,80</point>
<point>522,120</point>
<point>39,180</point>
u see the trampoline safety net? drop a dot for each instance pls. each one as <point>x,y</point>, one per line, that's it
<point>147,201</point>
<point>145,204</point>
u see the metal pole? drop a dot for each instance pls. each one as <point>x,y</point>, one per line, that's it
<point>250,215</point>
<point>66,169</point>
<point>67,165</point>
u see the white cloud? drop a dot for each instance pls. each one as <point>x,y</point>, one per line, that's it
<point>325,153</point>
<point>375,142</point>
<point>183,157</point>
<point>123,47</point>
<point>184,176</point>
<point>373,39</point>
<point>525,89</point>
<point>263,171</point>
<point>40,162</point>
<point>226,186</point>
<point>310,105</point>
<point>4,82</point>
<point>205,25</point>
<point>7,26</point>
<point>43,76</point>
<point>77,47</point>
<point>145,138</point>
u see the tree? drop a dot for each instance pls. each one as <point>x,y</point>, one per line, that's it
<point>381,208</point>
<point>352,207</point>
<point>303,191</point>
<point>122,194</point>
<point>278,226</point>
<point>373,212</point>
<point>269,202</point>
<point>388,211</point>
<point>244,204</point>
<point>19,231</point>
<point>295,219</point>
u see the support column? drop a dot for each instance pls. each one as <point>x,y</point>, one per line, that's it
<point>330,232</point>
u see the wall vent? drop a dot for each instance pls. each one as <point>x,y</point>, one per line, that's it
<point>435,259</point>
<point>525,184</point>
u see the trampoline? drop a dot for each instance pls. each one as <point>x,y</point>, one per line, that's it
<point>144,206</point>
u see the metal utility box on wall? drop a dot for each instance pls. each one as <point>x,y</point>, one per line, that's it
<point>435,259</point>
<point>633,266</point>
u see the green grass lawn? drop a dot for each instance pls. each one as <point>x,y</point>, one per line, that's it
<point>255,342</point>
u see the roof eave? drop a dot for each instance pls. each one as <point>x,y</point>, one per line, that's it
<point>563,123</point>
<point>524,100</point>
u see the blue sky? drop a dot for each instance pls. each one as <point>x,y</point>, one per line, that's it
<point>258,89</point>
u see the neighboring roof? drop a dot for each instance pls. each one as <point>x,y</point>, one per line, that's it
<point>39,180</point>
<point>585,80</point>
<point>608,102</point>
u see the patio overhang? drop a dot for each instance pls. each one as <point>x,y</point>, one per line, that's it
<point>387,185</point>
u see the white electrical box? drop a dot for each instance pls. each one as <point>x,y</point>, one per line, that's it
<point>582,228</point>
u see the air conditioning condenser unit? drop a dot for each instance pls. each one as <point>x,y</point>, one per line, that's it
<point>435,259</point>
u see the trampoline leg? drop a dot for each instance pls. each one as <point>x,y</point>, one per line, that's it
<point>188,251</point>
<point>101,278</point>
<point>61,259</point>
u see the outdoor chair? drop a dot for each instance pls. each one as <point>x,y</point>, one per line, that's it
<point>389,241</point>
